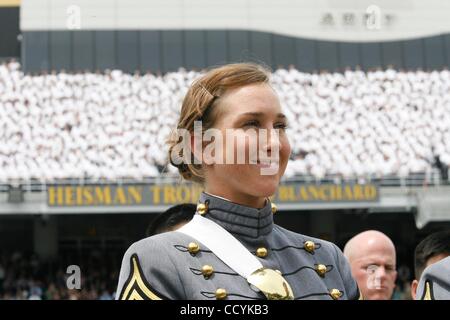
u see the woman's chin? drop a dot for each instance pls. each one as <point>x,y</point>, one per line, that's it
<point>264,189</point>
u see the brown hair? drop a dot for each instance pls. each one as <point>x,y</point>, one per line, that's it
<point>200,103</point>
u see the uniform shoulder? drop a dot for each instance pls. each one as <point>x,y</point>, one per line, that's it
<point>159,241</point>
<point>149,270</point>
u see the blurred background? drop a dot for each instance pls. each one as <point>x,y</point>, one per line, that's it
<point>89,91</point>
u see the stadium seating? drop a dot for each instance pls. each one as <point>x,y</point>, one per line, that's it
<point>114,125</point>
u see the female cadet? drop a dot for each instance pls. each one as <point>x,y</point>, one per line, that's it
<point>231,249</point>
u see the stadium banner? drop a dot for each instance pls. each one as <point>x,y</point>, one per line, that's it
<point>171,194</point>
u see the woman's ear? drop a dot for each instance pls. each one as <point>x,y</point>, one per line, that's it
<point>209,154</point>
<point>197,149</point>
<point>212,147</point>
<point>204,152</point>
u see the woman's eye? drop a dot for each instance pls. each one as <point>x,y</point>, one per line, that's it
<point>281,126</point>
<point>253,123</point>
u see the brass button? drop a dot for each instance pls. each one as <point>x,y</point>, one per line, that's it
<point>221,294</point>
<point>261,252</point>
<point>193,247</point>
<point>309,246</point>
<point>202,208</point>
<point>274,207</point>
<point>207,271</point>
<point>321,269</point>
<point>335,294</point>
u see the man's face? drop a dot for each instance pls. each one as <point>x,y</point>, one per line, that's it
<point>375,272</point>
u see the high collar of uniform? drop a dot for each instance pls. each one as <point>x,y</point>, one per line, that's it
<point>238,219</point>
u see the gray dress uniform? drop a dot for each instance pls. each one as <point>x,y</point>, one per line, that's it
<point>173,265</point>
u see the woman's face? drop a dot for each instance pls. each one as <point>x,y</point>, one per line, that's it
<point>258,126</point>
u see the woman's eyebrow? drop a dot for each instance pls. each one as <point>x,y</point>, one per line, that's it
<point>259,114</point>
<point>254,114</point>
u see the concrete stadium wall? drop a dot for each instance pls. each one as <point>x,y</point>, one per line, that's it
<point>163,35</point>
<point>9,31</point>
<point>342,20</point>
<point>168,50</point>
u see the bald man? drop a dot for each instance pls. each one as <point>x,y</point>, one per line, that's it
<point>372,259</point>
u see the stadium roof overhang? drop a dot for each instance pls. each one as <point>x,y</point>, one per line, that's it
<point>433,205</point>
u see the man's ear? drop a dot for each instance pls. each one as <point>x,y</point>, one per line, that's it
<point>414,285</point>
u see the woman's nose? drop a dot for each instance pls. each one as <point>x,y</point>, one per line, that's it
<point>273,140</point>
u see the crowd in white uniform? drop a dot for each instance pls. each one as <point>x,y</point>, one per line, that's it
<point>114,125</point>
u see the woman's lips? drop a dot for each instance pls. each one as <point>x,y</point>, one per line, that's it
<point>267,164</point>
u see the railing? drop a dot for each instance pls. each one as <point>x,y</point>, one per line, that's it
<point>432,178</point>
